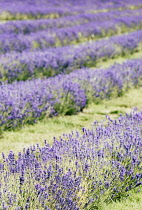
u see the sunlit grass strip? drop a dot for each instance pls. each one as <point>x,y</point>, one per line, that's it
<point>132,202</point>
<point>80,171</point>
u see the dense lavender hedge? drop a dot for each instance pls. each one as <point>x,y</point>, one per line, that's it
<point>79,171</point>
<point>12,11</point>
<point>28,26</point>
<point>53,9</point>
<point>27,65</point>
<point>25,102</point>
<point>65,36</point>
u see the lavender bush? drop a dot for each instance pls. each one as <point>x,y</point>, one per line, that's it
<point>24,102</point>
<point>28,9</point>
<point>28,65</point>
<point>29,26</point>
<point>79,171</point>
<point>65,36</point>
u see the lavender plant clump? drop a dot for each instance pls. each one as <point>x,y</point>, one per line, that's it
<point>17,9</point>
<point>79,171</point>
<point>29,26</point>
<point>28,65</point>
<point>26,101</point>
<point>64,36</point>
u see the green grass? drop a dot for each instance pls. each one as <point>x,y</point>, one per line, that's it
<point>119,59</point>
<point>133,202</point>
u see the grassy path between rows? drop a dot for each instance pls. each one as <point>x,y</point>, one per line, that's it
<point>119,59</point>
<point>133,202</point>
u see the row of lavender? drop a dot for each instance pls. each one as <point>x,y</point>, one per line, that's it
<point>28,65</point>
<point>53,9</point>
<point>65,36</point>
<point>26,102</point>
<point>81,171</point>
<point>29,26</point>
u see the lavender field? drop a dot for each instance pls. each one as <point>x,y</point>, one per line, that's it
<point>70,70</point>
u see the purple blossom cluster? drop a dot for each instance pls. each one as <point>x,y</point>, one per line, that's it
<point>53,9</point>
<point>68,35</point>
<point>29,26</point>
<point>27,101</point>
<point>79,171</point>
<point>12,11</point>
<point>50,62</point>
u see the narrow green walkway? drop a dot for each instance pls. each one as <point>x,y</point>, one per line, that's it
<point>133,202</point>
<point>111,61</point>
